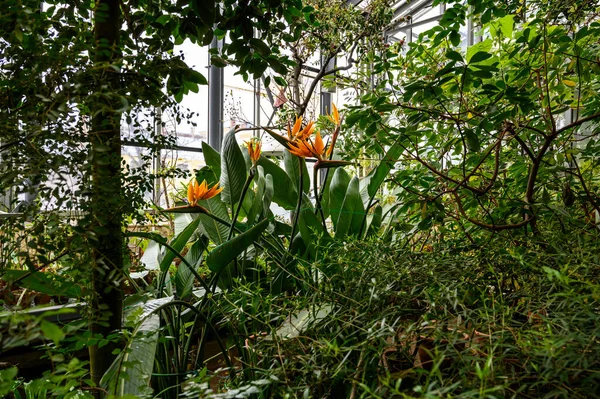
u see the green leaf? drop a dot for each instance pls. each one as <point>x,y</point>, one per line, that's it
<point>46,283</point>
<point>310,225</point>
<point>291,164</point>
<point>218,61</point>
<point>454,55</point>
<point>206,11</point>
<point>269,192</point>
<point>376,220</point>
<point>180,221</point>
<point>337,192</point>
<point>479,56</point>
<point>225,253</point>
<point>212,158</point>
<point>213,229</point>
<point>257,207</point>
<point>153,254</point>
<point>455,38</point>
<point>280,81</point>
<point>163,19</point>
<point>177,244</point>
<point>7,379</point>
<point>352,203</point>
<point>233,170</point>
<point>52,331</point>
<point>483,46</point>
<point>184,278</point>
<point>130,373</point>
<point>285,195</point>
<point>326,192</point>
<point>506,25</point>
<point>300,322</point>
<point>260,47</point>
<point>378,175</point>
<point>472,140</point>
<point>196,77</point>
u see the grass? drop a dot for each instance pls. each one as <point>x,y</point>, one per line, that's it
<point>518,321</point>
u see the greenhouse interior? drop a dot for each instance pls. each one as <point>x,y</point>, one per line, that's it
<point>300,199</point>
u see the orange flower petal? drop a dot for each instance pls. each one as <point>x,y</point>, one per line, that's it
<point>307,131</point>
<point>318,145</point>
<point>301,149</point>
<point>214,190</point>
<point>335,115</point>
<point>190,192</point>
<point>297,126</point>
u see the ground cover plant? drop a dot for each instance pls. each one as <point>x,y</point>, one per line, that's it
<point>460,261</point>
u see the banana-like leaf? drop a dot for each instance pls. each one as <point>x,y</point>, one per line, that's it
<point>225,253</point>
<point>326,193</point>
<point>285,195</point>
<point>291,165</point>
<point>352,203</point>
<point>46,283</point>
<point>247,159</point>
<point>177,244</point>
<point>327,164</point>
<point>337,193</point>
<point>378,175</point>
<point>184,278</point>
<point>258,198</point>
<point>214,230</point>
<point>375,224</point>
<point>131,371</point>
<point>212,158</point>
<point>269,191</point>
<point>233,170</point>
<point>181,220</point>
<point>358,213</point>
<point>152,256</point>
<point>209,174</point>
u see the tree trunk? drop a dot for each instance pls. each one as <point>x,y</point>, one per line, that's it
<point>105,210</point>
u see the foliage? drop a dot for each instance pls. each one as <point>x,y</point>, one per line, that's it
<point>520,323</point>
<point>500,136</point>
<point>359,294</point>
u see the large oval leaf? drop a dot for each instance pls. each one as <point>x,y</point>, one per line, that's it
<point>216,231</point>
<point>285,195</point>
<point>291,164</point>
<point>352,202</point>
<point>212,158</point>
<point>337,193</point>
